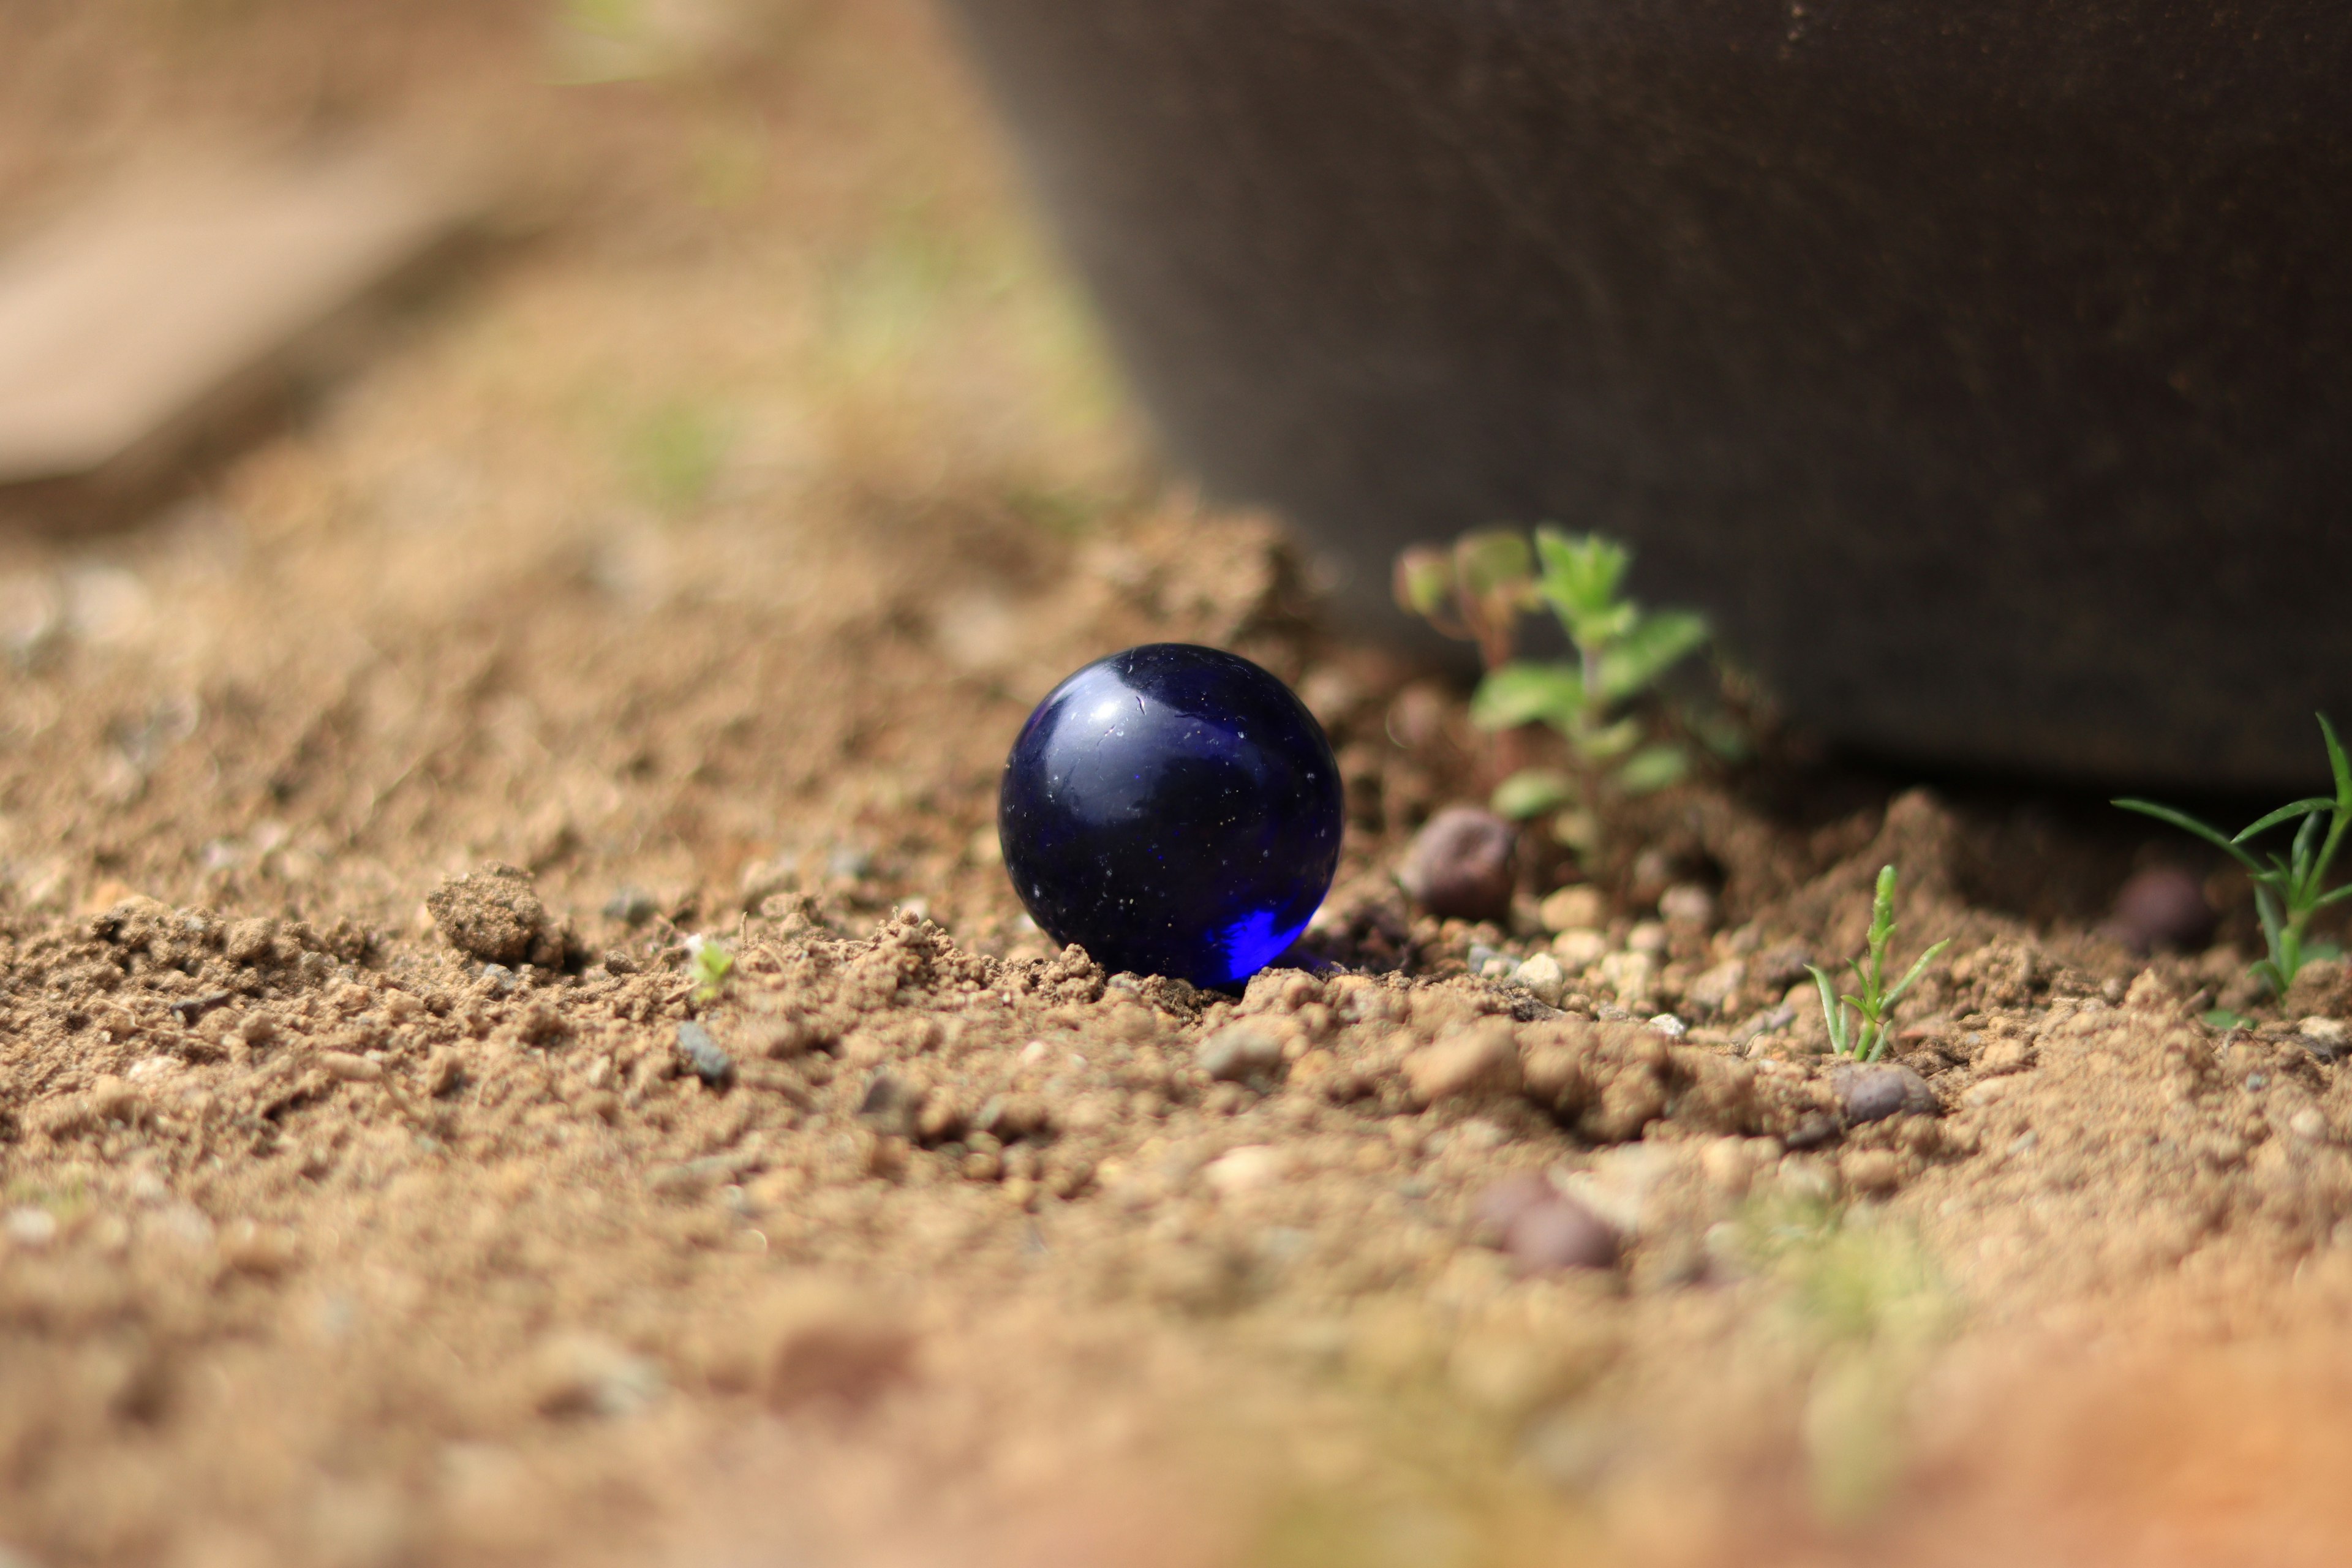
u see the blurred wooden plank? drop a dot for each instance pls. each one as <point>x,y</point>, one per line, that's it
<point>124,326</point>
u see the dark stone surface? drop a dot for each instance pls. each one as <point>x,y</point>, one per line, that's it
<point>704,1056</point>
<point>1877,1093</point>
<point>2163,907</point>
<point>1559,1233</point>
<point>1985,371</point>
<point>1462,865</point>
<point>1174,810</point>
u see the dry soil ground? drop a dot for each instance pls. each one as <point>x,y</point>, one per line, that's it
<point>694,556</point>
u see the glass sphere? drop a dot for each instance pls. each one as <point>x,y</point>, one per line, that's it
<point>1173,810</point>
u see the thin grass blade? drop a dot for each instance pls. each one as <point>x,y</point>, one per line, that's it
<point>1911,976</point>
<point>2189,824</point>
<point>2283,814</point>
<point>2337,764</point>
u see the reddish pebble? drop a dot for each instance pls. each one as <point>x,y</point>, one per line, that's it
<point>1494,1211</point>
<point>1560,1234</point>
<point>1461,865</point>
<point>2163,907</point>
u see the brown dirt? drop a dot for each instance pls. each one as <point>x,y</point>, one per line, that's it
<point>681,576</point>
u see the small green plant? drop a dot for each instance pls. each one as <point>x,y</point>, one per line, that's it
<point>711,964</point>
<point>2289,889</point>
<point>1862,1034</point>
<point>1478,589</point>
<point>1865,1298</point>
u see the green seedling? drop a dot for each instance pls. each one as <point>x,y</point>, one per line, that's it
<point>1478,590</point>
<point>1866,1298</point>
<point>1473,590</point>
<point>2289,889</point>
<point>711,964</point>
<point>1862,1034</point>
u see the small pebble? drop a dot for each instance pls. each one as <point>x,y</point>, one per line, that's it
<point>1729,1166</point>
<point>1246,1169</point>
<point>703,1055</point>
<point>1238,1053</point>
<point>1462,865</point>
<point>1573,908</point>
<point>891,1106</point>
<point>1871,1171</point>
<point>1579,950</point>
<point>1559,1233</point>
<point>2004,1055</point>
<point>1484,1058</point>
<point>631,906</point>
<point>1493,1210</point>
<point>1543,976</point>
<point>1666,1024</point>
<point>1688,904</point>
<point>585,1374</point>
<point>1874,1093</point>
<point>1813,1132</point>
<point>30,1228</point>
<point>2163,907</point>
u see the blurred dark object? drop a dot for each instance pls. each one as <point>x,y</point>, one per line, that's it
<point>1462,865</point>
<point>174,310</point>
<point>2163,907</point>
<point>1985,372</point>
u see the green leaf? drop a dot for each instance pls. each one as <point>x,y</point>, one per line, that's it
<point>1832,1010</point>
<point>1581,572</point>
<point>1649,649</point>
<point>1493,562</point>
<point>2222,1018</point>
<point>1912,976</point>
<point>1610,741</point>
<point>1521,692</point>
<point>1423,582</point>
<point>2283,814</point>
<point>1530,792</point>
<point>2189,824</point>
<point>2337,764</point>
<point>1653,768</point>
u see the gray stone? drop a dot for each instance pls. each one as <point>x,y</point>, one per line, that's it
<point>703,1055</point>
<point>1875,1093</point>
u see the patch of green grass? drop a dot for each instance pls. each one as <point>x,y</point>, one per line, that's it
<point>1862,1034</point>
<point>2289,889</point>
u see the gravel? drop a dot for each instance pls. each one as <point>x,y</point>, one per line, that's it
<point>701,1050</point>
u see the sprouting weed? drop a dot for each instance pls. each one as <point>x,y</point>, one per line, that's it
<point>711,963</point>
<point>2289,889</point>
<point>1864,1294</point>
<point>1473,590</point>
<point>1477,590</point>
<point>1862,1035</point>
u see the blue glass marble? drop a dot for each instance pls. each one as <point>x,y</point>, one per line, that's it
<point>1173,810</point>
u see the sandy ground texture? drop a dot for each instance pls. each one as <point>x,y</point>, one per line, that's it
<point>386,1176</point>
